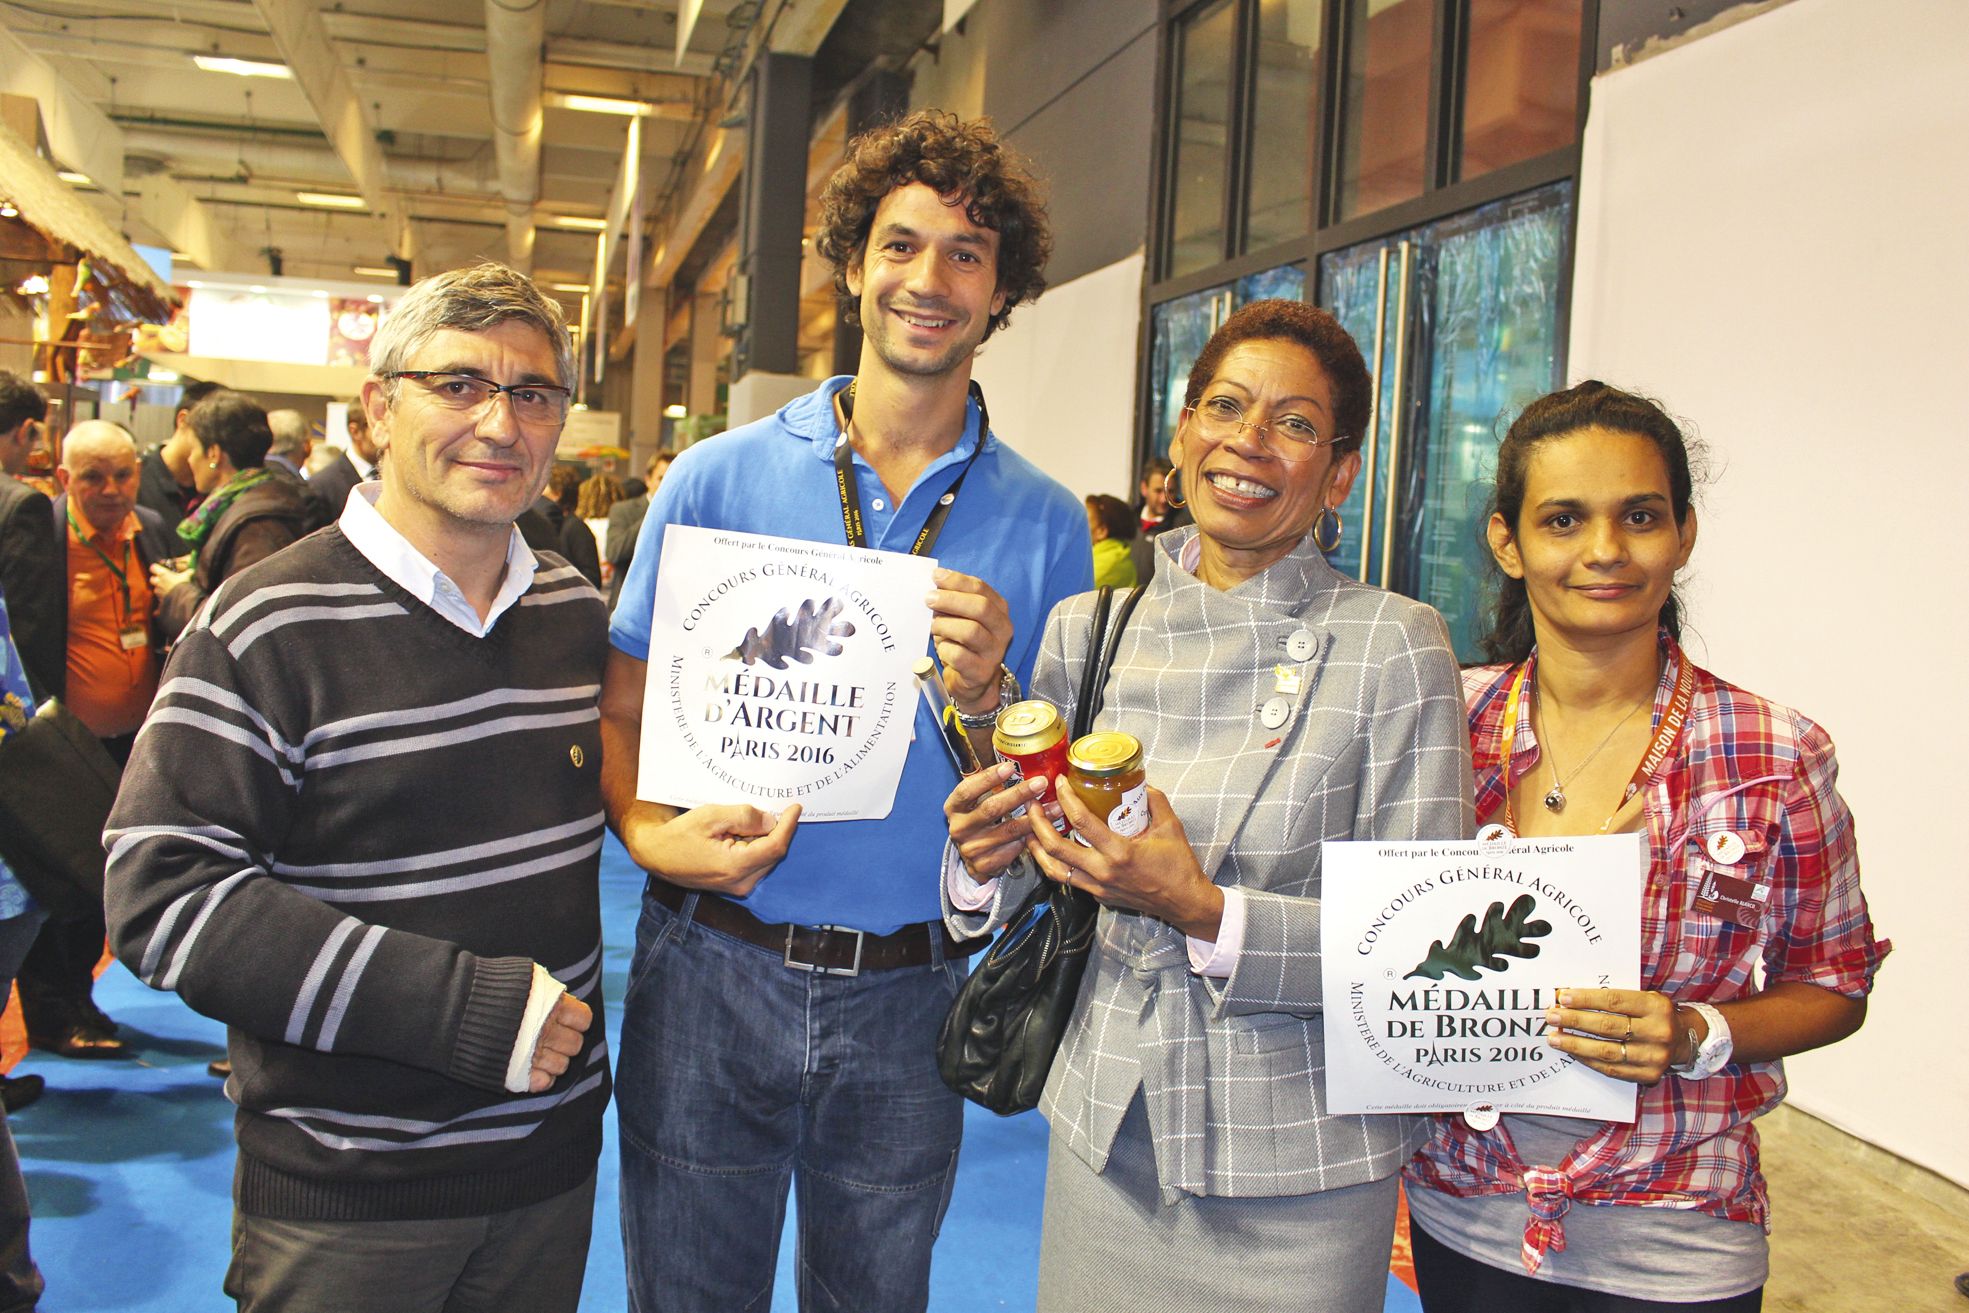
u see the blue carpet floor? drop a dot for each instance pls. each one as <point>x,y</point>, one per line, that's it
<point>129,1167</point>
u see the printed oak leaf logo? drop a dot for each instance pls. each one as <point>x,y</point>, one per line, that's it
<point>1473,948</point>
<point>807,632</point>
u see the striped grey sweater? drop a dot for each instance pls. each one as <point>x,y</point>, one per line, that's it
<point>348,831</point>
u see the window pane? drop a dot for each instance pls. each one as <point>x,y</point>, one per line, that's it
<point>1180,329</point>
<point>1386,127</point>
<point>1284,142</point>
<point>1495,347</point>
<point>1522,81</point>
<point>1202,118</point>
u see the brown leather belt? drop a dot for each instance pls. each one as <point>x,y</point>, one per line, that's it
<point>827,949</point>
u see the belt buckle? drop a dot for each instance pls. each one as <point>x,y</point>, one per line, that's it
<point>852,969</point>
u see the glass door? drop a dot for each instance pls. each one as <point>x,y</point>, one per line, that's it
<point>1459,322</point>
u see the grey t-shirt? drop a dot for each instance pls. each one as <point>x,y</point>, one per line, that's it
<point>1676,1255</point>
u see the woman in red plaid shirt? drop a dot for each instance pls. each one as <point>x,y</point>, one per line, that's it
<point>1752,864</point>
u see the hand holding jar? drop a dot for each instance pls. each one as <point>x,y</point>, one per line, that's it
<point>1154,872</point>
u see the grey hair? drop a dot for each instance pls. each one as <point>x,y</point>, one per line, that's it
<point>89,432</point>
<point>473,300</point>
<point>290,433</point>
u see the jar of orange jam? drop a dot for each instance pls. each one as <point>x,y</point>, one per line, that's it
<point>1104,770</point>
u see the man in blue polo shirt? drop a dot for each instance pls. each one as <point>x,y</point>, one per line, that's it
<point>789,981</point>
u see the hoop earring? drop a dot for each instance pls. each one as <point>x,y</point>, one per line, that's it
<point>1170,480</point>
<point>1339,531</point>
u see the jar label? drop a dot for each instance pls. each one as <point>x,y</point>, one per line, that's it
<point>1131,815</point>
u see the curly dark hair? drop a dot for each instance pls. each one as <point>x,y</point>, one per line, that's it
<point>1317,331</point>
<point>958,160</point>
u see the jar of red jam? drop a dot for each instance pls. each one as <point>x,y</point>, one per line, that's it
<point>1032,736</point>
<point>1104,770</point>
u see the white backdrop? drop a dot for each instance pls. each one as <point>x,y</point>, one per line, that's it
<point>1060,379</point>
<point>1774,241</point>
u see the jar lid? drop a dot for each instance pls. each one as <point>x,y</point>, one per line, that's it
<point>1105,752</point>
<point>1025,719</point>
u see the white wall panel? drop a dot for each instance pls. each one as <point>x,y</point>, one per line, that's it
<point>1774,240</point>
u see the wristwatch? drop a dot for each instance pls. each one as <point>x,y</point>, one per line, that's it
<point>1008,693</point>
<point>1714,1052</point>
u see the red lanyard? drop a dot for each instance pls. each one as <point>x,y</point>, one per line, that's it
<point>1667,731</point>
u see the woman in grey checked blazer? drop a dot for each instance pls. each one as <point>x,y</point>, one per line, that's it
<point>1280,706</point>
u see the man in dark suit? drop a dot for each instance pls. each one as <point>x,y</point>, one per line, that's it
<point>1158,516</point>
<point>165,481</point>
<point>289,456</point>
<point>333,481</point>
<point>30,556</point>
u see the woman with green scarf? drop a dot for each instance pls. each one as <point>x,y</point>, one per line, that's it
<point>247,515</point>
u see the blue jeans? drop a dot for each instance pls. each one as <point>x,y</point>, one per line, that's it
<point>739,1075</point>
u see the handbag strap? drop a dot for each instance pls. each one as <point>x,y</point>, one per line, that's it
<point>1090,666</point>
<point>1102,644</point>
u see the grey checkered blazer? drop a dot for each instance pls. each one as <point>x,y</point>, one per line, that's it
<point>1373,745</point>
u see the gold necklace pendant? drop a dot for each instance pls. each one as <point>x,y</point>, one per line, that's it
<point>1555,800</point>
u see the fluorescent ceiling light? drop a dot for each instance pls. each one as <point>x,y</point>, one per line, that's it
<point>333,199</point>
<point>598,104</point>
<point>246,68</point>
<point>674,412</point>
<point>579,288</point>
<point>7,211</point>
<point>372,271</point>
<point>74,179</point>
<point>162,377</point>
<point>576,221</point>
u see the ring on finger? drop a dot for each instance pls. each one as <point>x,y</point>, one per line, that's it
<point>1623,1053</point>
<point>1630,1031</point>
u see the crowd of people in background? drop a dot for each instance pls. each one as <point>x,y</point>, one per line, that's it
<point>383,873</point>
<point>109,554</point>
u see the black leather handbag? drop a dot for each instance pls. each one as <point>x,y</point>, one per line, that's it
<point>56,788</point>
<point>1006,1023</point>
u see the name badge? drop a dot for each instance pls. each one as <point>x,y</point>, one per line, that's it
<point>133,637</point>
<point>1731,897</point>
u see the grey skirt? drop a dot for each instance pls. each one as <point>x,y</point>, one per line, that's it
<point>1109,1243</point>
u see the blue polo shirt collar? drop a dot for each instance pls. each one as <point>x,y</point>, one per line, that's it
<point>812,417</point>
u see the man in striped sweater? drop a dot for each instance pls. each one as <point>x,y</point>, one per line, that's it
<point>362,826</point>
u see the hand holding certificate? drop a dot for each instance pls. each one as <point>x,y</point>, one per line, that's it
<point>779,673</point>
<point>1446,965</point>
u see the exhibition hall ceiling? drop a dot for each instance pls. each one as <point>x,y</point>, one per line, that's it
<point>321,138</point>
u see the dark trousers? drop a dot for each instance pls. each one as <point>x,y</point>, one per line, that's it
<point>1451,1283</point>
<point>58,978</point>
<point>59,975</point>
<point>530,1259</point>
<point>20,1280</point>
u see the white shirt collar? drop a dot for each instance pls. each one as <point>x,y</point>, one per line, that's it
<point>389,551</point>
